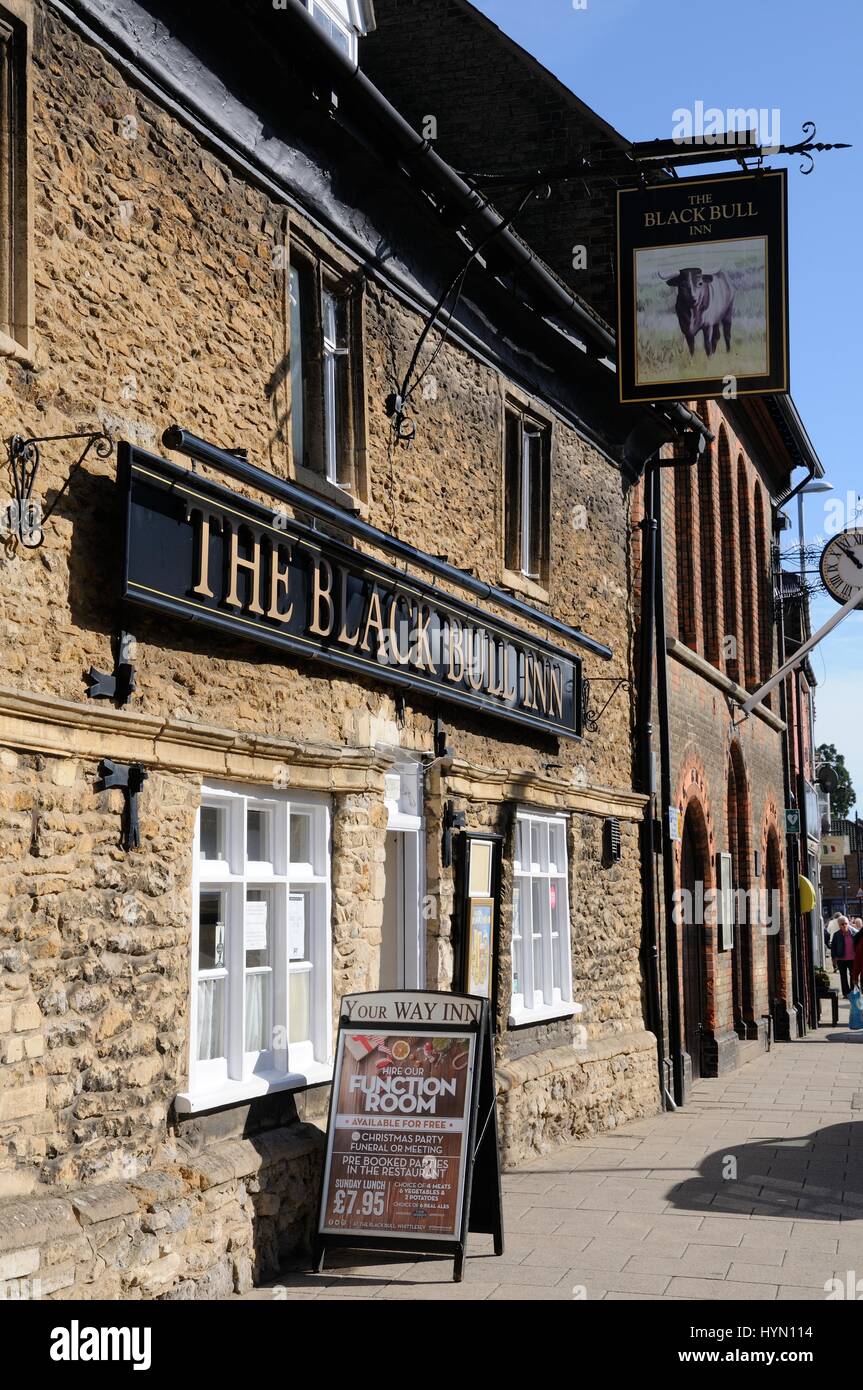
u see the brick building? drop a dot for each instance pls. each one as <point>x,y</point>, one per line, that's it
<point>840,870</point>
<point>741,969</point>
<point>726,780</point>
<point>220,224</point>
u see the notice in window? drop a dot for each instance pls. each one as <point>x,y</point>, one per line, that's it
<point>256,926</point>
<point>399,1135</point>
<point>297,926</point>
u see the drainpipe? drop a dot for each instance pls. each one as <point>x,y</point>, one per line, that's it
<point>671,952</point>
<point>647,780</point>
<point>791,870</point>
<point>808,993</point>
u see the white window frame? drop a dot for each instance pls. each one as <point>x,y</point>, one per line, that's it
<point>532,445</point>
<point>332,350</point>
<point>532,1004</point>
<point>338,21</point>
<point>286,1065</point>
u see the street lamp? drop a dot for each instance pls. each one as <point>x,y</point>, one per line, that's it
<point>816,485</point>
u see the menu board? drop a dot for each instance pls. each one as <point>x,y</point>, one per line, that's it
<point>402,1125</point>
<point>400,1130</point>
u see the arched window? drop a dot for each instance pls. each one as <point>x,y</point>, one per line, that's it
<point>684,524</point>
<point>749,613</point>
<point>764,590</point>
<point>730,636</point>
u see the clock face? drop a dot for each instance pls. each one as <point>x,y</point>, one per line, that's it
<point>842,565</point>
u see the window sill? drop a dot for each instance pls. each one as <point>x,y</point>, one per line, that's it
<point>520,584</point>
<point>235,1092</point>
<point>331,492</point>
<point>547,1013</point>
<point>10,347</point>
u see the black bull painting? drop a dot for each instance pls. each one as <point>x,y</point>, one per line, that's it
<point>705,304</point>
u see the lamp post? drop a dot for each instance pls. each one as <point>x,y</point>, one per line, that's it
<point>816,485</point>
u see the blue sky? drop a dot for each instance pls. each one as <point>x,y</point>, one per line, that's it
<point>637,61</point>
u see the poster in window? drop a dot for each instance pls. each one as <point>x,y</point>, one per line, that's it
<point>399,1133</point>
<point>480,946</point>
<point>479,875</point>
<point>702,287</point>
<point>296,926</point>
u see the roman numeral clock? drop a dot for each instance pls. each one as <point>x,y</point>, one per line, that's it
<point>842,565</point>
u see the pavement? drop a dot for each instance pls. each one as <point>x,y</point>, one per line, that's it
<point>753,1190</point>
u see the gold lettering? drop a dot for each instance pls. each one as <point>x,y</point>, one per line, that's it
<point>455,649</point>
<point>374,619</point>
<point>394,638</point>
<point>496,667</point>
<point>350,639</point>
<point>527,690</point>
<point>555,692</point>
<point>475,641</point>
<point>207,520</point>
<point>279,579</point>
<point>539,685</point>
<point>510,674</point>
<point>236,563</point>
<point>422,650</point>
<point>322,598</point>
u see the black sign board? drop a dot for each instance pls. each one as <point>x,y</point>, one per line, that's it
<point>412,1144</point>
<point>702,287</point>
<point>202,553</point>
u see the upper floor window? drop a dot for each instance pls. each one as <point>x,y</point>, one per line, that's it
<point>15,269</point>
<point>261,973</point>
<point>335,26</point>
<point>325,372</point>
<point>526,500</point>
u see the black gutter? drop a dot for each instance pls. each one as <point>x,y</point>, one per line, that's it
<point>792,869</point>
<point>810,994</point>
<point>647,777</point>
<point>415,150</point>
<point>238,467</point>
<point>670,939</point>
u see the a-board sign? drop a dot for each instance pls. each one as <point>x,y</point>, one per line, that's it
<point>412,1113</point>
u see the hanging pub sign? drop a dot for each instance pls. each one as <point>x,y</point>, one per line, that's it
<point>702,287</point>
<point>412,1143</point>
<point>201,553</point>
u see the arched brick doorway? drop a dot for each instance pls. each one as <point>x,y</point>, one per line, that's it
<point>694,876</point>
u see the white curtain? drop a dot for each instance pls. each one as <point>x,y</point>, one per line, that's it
<point>211,1019</point>
<point>257,999</point>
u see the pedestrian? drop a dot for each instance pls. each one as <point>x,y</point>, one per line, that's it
<point>842,951</point>
<point>857,963</point>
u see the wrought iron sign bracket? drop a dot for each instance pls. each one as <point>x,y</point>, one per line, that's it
<point>592,717</point>
<point>26,519</point>
<point>452,820</point>
<point>121,685</point>
<point>130,778</point>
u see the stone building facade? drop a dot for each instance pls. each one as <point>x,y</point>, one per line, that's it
<point>185,234</point>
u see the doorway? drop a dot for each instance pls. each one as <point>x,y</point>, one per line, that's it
<point>692,873</point>
<point>403,944</point>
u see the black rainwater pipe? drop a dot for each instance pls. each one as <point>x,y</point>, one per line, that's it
<point>647,777</point>
<point>670,937</point>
